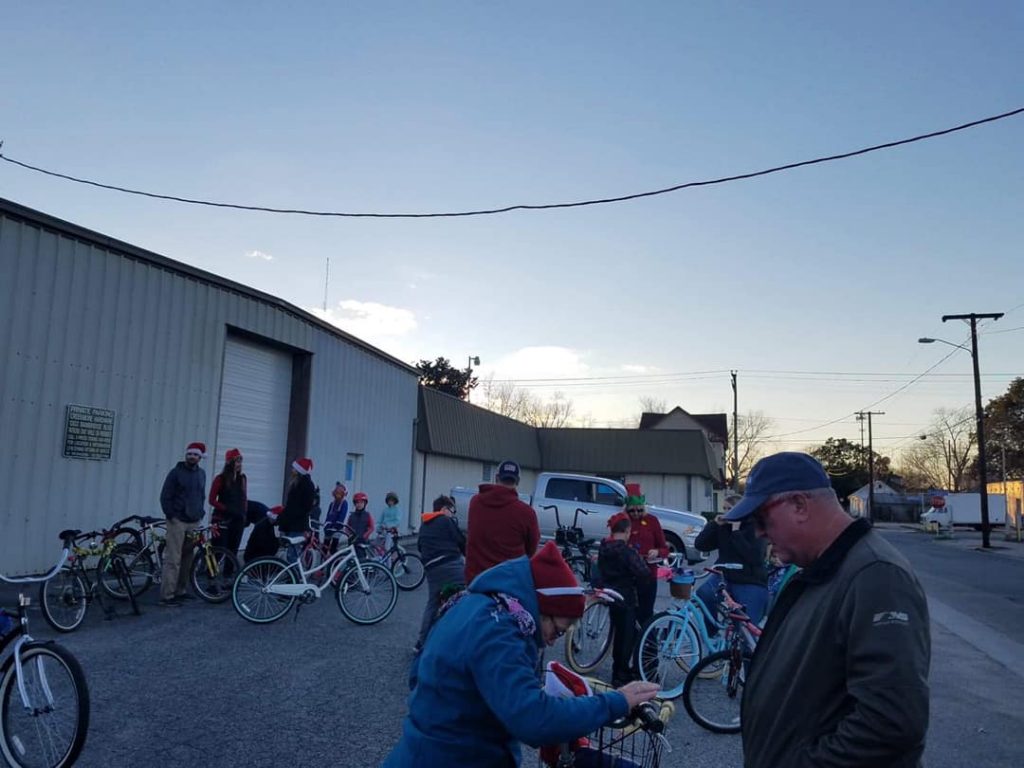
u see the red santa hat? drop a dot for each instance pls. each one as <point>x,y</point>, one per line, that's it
<point>558,592</point>
<point>232,454</point>
<point>199,448</point>
<point>563,682</point>
<point>303,466</point>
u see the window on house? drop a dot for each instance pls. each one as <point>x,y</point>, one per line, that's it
<point>489,470</point>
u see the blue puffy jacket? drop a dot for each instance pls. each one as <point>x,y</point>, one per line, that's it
<point>475,692</point>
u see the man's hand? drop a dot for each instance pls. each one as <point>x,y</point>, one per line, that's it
<point>720,519</point>
<point>637,693</point>
<point>653,554</point>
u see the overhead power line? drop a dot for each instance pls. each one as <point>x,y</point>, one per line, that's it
<point>524,206</point>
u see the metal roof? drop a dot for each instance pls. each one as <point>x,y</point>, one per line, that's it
<point>627,451</point>
<point>717,424</point>
<point>67,229</point>
<point>449,426</point>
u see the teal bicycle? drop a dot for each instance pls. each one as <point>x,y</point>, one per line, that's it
<point>673,641</point>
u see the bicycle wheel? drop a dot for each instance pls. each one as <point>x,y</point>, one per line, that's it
<point>666,651</point>
<point>64,600</point>
<point>589,640</point>
<point>408,571</point>
<point>370,604</point>
<point>714,703</point>
<point>48,728</point>
<point>249,594</point>
<point>140,571</point>
<point>580,566</point>
<point>213,573</point>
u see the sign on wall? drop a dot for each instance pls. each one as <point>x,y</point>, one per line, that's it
<point>88,432</point>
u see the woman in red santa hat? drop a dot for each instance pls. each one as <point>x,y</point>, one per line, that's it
<point>298,503</point>
<point>647,537</point>
<point>475,693</point>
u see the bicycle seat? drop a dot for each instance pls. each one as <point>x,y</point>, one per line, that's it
<point>70,533</point>
<point>150,520</point>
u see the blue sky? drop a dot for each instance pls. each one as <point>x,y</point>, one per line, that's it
<point>837,268</point>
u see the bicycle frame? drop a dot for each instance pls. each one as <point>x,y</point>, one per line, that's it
<point>333,565</point>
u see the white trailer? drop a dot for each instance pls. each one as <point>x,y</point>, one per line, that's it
<point>965,509</point>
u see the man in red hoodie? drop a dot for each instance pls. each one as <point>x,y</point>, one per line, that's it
<point>499,526</point>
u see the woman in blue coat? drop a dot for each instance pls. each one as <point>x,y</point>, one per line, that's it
<point>475,690</point>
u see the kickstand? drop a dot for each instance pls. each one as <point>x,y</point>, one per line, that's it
<point>295,616</point>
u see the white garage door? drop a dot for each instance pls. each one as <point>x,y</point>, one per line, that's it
<point>254,402</point>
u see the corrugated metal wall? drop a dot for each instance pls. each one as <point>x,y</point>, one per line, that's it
<point>81,324</point>
<point>446,472</point>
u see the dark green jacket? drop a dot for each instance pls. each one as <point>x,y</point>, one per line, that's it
<point>840,675</point>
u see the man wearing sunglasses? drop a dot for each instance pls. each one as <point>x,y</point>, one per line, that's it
<point>840,674</point>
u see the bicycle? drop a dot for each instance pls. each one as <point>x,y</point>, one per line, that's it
<point>702,693</point>
<point>64,599</point>
<point>672,641</point>
<point>636,740</point>
<point>267,588</point>
<point>407,567</point>
<point>50,726</point>
<point>213,567</point>
<point>588,641</point>
<point>568,536</point>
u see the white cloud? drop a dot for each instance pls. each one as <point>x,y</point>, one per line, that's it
<point>538,363</point>
<point>259,255</point>
<point>377,324</point>
<point>639,369</point>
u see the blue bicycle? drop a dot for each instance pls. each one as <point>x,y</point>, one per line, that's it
<point>673,641</point>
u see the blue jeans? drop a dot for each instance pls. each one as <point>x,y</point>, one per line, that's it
<point>753,597</point>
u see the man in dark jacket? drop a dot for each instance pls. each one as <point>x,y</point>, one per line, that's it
<point>499,526</point>
<point>737,542</point>
<point>442,546</point>
<point>181,498</point>
<point>840,674</point>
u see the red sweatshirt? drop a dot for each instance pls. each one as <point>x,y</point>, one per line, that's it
<point>499,527</point>
<point>645,535</point>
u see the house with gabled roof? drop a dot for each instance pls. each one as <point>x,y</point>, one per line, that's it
<point>460,444</point>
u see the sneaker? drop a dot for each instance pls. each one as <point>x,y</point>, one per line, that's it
<point>184,596</point>
<point>169,602</point>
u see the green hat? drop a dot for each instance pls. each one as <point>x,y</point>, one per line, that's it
<point>633,495</point>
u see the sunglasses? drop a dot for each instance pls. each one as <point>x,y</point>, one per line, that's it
<point>634,510</point>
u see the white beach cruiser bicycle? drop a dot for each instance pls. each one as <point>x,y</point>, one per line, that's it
<point>267,588</point>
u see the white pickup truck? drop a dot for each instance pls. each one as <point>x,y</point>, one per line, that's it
<point>601,498</point>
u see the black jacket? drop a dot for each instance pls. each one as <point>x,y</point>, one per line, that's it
<point>440,539</point>
<point>294,518</point>
<point>622,569</point>
<point>840,674</point>
<point>183,496</point>
<point>741,546</point>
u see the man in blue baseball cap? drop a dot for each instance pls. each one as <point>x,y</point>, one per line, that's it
<point>840,674</point>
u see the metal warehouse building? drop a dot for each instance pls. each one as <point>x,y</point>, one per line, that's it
<point>115,358</point>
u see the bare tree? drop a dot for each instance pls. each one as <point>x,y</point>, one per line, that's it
<point>943,458</point>
<point>555,412</point>
<point>651,404</point>
<point>753,428</point>
<point>507,399</point>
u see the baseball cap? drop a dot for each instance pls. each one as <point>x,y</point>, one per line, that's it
<point>508,470</point>
<point>779,473</point>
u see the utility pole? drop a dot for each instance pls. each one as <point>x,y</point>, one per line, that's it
<point>735,436</point>
<point>973,317</point>
<point>871,461</point>
<point>327,281</point>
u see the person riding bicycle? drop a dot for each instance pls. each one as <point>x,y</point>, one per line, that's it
<point>442,546</point>
<point>648,538</point>
<point>391,515</point>
<point>299,502</point>
<point>475,692</point>
<point>360,521</point>
<point>229,499</point>
<point>623,570</point>
<point>337,514</point>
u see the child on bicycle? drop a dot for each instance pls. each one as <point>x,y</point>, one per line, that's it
<point>623,570</point>
<point>360,520</point>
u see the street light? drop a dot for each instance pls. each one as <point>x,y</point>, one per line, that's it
<point>973,317</point>
<point>473,360</point>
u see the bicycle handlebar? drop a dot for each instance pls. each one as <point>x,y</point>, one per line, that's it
<point>36,579</point>
<point>647,716</point>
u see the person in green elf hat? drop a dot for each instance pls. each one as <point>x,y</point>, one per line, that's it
<point>647,537</point>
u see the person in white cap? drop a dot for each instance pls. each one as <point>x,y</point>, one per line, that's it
<point>182,499</point>
<point>298,503</point>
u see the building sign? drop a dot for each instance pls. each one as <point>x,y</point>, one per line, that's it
<point>88,432</point>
